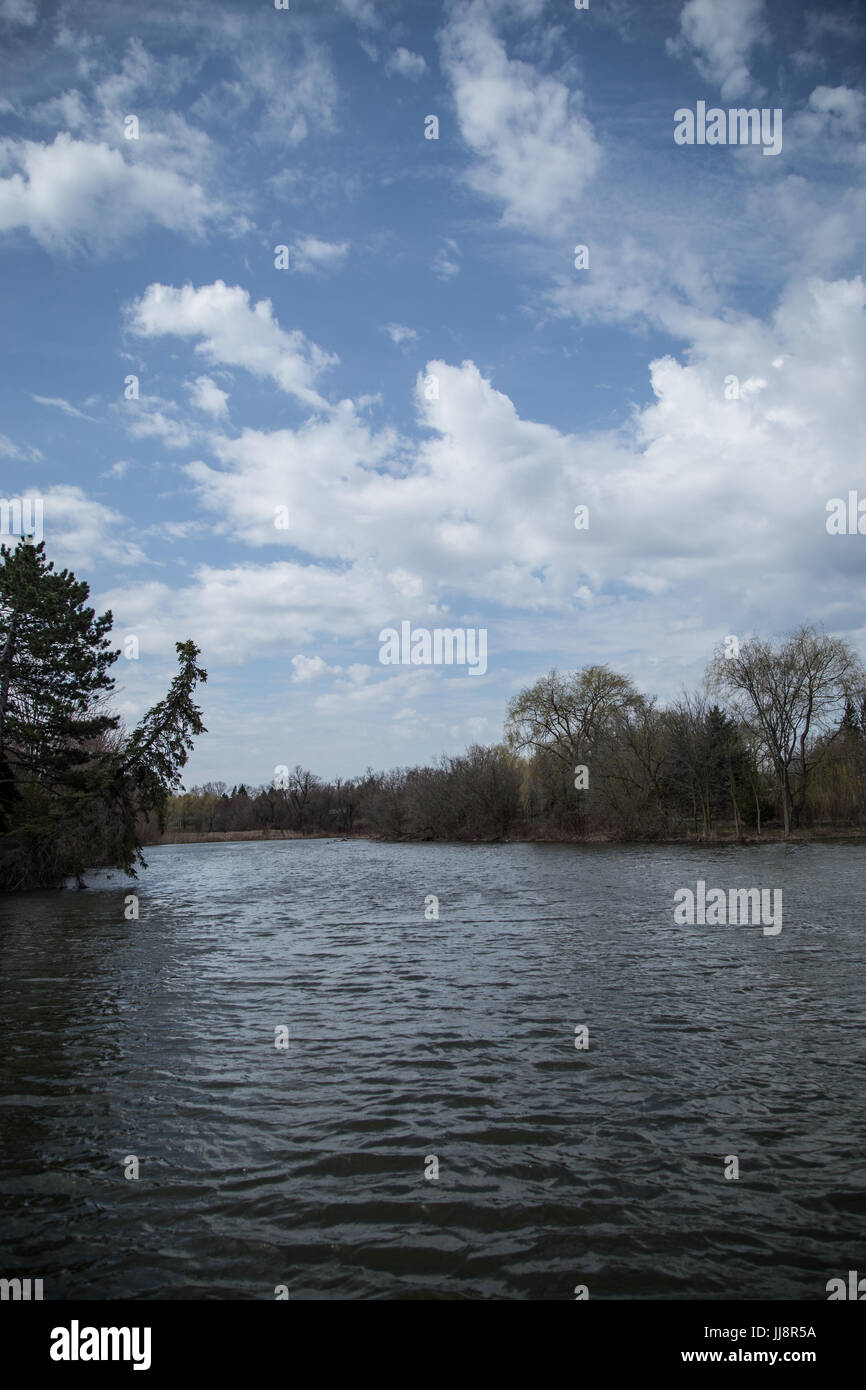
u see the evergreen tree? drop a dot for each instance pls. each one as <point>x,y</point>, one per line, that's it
<point>73,790</point>
<point>850,726</point>
<point>148,768</point>
<point>55,660</point>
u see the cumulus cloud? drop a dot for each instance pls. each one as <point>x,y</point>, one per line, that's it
<point>399,333</point>
<point>93,189</point>
<point>707,517</point>
<point>314,254</point>
<point>482,505</point>
<point>145,421</point>
<point>19,12</point>
<point>235,333</point>
<point>719,39</point>
<point>74,195</point>
<point>250,609</point>
<point>117,470</point>
<point>310,668</point>
<point>843,105</point>
<point>206,396</point>
<point>363,12</point>
<point>830,128</point>
<point>534,149</point>
<point>406,63</point>
<point>83,533</point>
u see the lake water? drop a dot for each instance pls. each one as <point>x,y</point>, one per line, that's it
<point>455,1039</point>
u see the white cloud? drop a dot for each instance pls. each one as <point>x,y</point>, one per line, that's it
<point>314,254</point>
<point>406,63</point>
<point>75,195</point>
<point>171,160</point>
<point>22,12</point>
<point>482,506</point>
<point>146,422</point>
<point>206,396</point>
<point>309,668</point>
<point>296,94</point>
<point>245,609</point>
<point>10,450</point>
<point>444,264</point>
<point>169,177</point>
<point>399,333</point>
<point>707,516</point>
<point>179,530</point>
<point>117,470</point>
<point>261,470</point>
<point>719,38</point>
<point>363,12</point>
<point>67,110</point>
<point>843,104</point>
<point>60,404</point>
<point>234,333</point>
<point>354,699</point>
<point>81,533</point>
<point>534,149</point>
<point>837,25</point>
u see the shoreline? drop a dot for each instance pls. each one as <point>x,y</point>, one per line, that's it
<point>771,836</point>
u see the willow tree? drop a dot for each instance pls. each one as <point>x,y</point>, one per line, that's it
<point>564,721</point>
<point>566,715</point>
<point>73,787</point>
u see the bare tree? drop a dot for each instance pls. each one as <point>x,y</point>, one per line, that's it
<point>302,784</point>
<point>792,696</point>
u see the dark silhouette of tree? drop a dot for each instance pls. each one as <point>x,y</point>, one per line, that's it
<point>74,791</point>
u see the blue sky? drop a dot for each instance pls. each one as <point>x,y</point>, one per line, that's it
<point>414,258</point>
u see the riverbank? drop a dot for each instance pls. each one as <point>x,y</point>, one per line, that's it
<point>769,836</point>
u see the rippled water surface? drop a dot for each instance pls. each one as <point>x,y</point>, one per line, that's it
<point>411,1038</point>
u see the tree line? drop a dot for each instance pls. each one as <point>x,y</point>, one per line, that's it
<point>775,738</point>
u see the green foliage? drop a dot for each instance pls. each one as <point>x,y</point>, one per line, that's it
<point>73,790</point>
<point>55,660</point>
